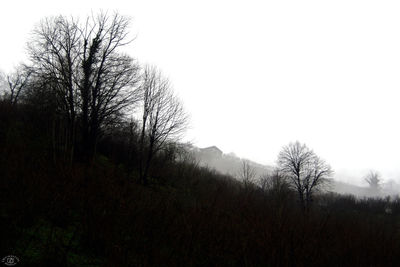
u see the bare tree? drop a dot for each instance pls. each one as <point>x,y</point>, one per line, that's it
<point>247,174</point>
<point>305,171</point>
<point>163,117</point>
<point>3,84</point>
<point>373,178</point>
<point>109,78</point>
<point>54,52</point>
<point>273,182</point>
<point>92,79</point>
<point>17,82</point>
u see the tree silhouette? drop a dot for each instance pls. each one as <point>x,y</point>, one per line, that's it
<point>3,84</point>
<point>305,171</point>
<point>373,178</point>
<point>17,82</point>
<point>163,117</point>
<point>92,81</point>
<point>247,173</point>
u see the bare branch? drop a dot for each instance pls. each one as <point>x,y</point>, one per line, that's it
<point>306,172</point>
<point>92,78</point>
<point>163,116</point>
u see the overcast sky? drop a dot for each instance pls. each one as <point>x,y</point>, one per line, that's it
<point>256,75</point>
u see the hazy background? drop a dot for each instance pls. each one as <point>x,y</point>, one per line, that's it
<point>256,75</point>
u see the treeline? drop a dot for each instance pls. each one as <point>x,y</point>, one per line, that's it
<point>79,79</point>
<point>92,174</point>
<point>79,214</point>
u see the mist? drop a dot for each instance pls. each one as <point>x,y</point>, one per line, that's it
<point>340,76</point>
<point>344,182</point>
<point>229,133</point>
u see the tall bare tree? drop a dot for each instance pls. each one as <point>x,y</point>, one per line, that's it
<point>247,173</point>
<point>94,82</point>
<point>3,84</point>
<point>163,117</point>
<point>17,82</point>
<point>305,171</point>
<point>374,180</point>
<point>109,77</point>
<point>273,182</point>
<point>54,52</point>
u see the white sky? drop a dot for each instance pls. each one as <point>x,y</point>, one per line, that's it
<point>256,75</point>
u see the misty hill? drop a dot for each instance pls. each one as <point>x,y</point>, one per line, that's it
<point>215,158</point>
<point>231,164</point>
<point>348,189</point>
<point>386,189</point>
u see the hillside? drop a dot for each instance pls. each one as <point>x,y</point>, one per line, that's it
<point>230,164</point>
<point>93,173</point>
<point>57,212</point>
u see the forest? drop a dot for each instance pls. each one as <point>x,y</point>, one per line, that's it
<point>94,173</point>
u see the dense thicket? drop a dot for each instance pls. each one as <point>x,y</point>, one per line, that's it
<point>58,213</point>
<point>68,203</point>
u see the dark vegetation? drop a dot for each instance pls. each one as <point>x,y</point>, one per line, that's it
<point>84,187</point>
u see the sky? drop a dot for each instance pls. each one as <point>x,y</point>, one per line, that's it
<point>257,75</point>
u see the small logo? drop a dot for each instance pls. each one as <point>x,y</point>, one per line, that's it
<point>10,260</point>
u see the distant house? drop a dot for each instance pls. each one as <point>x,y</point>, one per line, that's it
<point>212,151</point>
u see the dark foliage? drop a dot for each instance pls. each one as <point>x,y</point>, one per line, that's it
<point>55,212</point>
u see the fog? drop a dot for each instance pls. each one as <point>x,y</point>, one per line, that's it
<point>240,133</point>
<point>255,76</point>
<point>343,182</point>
